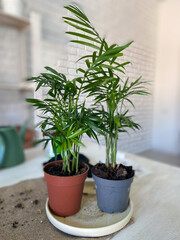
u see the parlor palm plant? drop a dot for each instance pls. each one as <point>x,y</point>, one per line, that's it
<point>64,118</point>
<point>105,80</point>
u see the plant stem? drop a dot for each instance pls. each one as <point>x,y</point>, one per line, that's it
<point>68,164</point>
<point>115,144</point>
<point>73,160</point>
<point>107,149</point>
<point>77,160</point>
<point>112,152</point>
<point>64,162</point>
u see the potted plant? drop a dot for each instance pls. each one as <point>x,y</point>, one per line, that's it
<point>64,120</point>
<point>112,90</point>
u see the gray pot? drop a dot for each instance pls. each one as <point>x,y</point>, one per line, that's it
<point>112,195</point>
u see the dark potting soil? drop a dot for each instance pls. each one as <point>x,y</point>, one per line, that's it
<point>120,172</point>
<point>57,170</point>
<point>82,158</point>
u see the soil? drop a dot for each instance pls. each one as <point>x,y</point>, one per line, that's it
<point>57,170</point>
<point>19,205</point>
<point>82,158</point>
<point>35,202</point>
<point>15,224</point>
<point>120,172</point>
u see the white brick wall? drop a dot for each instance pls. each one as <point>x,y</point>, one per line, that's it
<point>8,55</point>
<point>120,21</point>
<point>13,110</point>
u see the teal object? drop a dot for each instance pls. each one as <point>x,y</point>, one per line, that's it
<point>11,146</point>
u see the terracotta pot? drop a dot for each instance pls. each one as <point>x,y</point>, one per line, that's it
<point>65,193</point>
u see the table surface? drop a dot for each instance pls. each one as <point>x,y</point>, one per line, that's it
<point>155,195</point>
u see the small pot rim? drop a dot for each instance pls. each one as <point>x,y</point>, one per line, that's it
<point>111,179</point>
<point>54,162</point>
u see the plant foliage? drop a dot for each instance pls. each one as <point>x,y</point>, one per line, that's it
<point>64,118</point>
<point>104,80</point>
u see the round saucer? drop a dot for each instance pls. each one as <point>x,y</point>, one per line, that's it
<point>90,221</point>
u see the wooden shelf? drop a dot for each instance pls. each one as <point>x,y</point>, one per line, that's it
<point>21,87</point>
<point>13,21</point>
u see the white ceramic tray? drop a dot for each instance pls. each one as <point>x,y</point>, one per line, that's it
<point>90,221</point>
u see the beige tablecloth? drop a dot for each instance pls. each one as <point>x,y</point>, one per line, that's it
<point>156,199</point>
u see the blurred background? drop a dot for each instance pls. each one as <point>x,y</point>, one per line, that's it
<point>32,36</point>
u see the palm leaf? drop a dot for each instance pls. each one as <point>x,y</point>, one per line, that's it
<point>77,21</point>
<point>80,28</point>
<point>77,12</point>
<point>83,36</point>
<point>85,44</point>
